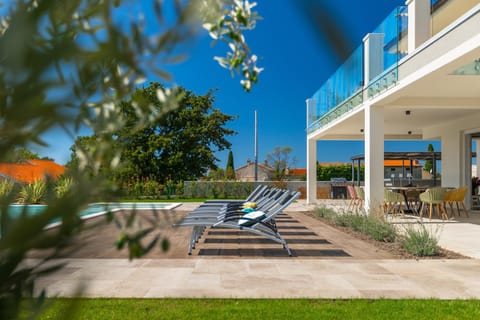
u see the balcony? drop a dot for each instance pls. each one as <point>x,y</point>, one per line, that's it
<point>344,90</point>
<point>355,80</point>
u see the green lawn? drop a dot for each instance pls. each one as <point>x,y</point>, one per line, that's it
<point>261,309</point>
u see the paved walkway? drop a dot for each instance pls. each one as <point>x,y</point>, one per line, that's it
<point>283,278</point>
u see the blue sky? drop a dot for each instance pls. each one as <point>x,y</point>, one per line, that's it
<point>297,61</point>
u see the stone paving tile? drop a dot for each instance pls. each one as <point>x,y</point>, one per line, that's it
<point>255,279</point>
<point>361,276</point>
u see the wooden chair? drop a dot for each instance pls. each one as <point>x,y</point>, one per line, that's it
<point>413,199</point>
<point>353,198</point>
<point>433,197</point>
<point>393,202</point>
<point>449,198</point>
<point>456,196</point>
<point>360,196</point>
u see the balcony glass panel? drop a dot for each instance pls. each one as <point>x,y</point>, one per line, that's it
<point>343,91</point>
<point>339,88</point>
<point>471,69</point>
<point>395,31</point>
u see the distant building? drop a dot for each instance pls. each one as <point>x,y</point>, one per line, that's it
<point>30,170</point>
<point>402,169</point>
<point>295,174</point>
<point>246,173</point>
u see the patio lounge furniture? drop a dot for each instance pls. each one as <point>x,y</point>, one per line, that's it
<point>353,197</point>
<point>261,221</point>
<point>393,201</point>
<point>221,209</point>
<point>360,196</point>
<point>434,197</point>
<point>456,196</point>
<point>413,199</point>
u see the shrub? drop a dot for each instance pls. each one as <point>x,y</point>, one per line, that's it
<point>150,188</point>
<point>420,241</point>
<point>326,213</point>
<point>32,193</point>
<point>63,185</point>
<point>380,230</point>
<point>6,187</point>
<point>369,225</point>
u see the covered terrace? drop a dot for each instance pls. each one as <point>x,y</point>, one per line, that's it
<point>429,92</point>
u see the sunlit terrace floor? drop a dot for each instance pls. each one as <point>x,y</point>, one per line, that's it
<point>326,264</point>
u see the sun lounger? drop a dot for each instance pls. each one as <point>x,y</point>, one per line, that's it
<point>261,222</point>
<point>219,212</point>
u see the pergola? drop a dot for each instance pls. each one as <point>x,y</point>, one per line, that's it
<point>430,155</point>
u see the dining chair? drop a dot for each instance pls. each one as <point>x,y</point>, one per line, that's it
<point>458,198</point>
<point>433,197</point>
<point>353,197</point>
<point>412,197</point>
<point>393,201</point>
<point>449,198</point>
<point>360,196</point>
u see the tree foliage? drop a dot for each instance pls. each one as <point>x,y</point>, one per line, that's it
<point>230,168</point>
<point>179,145</point>
<point>280,160</point>
<point>428,166</point>
<point>325,173</point>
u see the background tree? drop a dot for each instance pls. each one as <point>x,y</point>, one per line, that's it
<point>230,168</point>
<point>179,145</point>
<point>280,160</point>
<point>325,173</point>
<point>428,166</point>
<point>22,154</point>
<point>216,174</point>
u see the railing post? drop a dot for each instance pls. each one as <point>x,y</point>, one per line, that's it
<point>418,23</point>
<point>312,113</point>
<point>373,56</point>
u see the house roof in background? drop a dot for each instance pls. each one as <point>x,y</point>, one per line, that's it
<point>297,171</point>
<point>31,170</point>
<point>401,163</point>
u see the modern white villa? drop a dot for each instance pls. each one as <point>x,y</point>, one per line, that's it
<point>416,77</point>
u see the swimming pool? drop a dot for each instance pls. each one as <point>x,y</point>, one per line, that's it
<point>94,209</point>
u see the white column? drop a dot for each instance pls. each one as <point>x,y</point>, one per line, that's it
<point>418,23</point>
<point>374,149</point>
<point>311,171</point>
<point>451,158</point>
<point>372,55</point>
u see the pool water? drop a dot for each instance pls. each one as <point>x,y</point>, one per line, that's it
<point>94,209</point>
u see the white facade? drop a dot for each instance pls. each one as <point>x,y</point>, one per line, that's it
<point>434,98</point>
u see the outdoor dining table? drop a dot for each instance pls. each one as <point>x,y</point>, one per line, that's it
<point>404,191</point>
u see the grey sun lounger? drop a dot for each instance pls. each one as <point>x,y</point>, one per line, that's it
<point>200,218</point>
<point>263,225</point>
<point>219,212</point>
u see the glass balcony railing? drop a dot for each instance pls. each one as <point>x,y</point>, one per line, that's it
<point>343,91</point>
<point>395,31</point>
<point>338,89</point>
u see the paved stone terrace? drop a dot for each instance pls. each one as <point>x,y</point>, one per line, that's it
<point>364,272</point>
